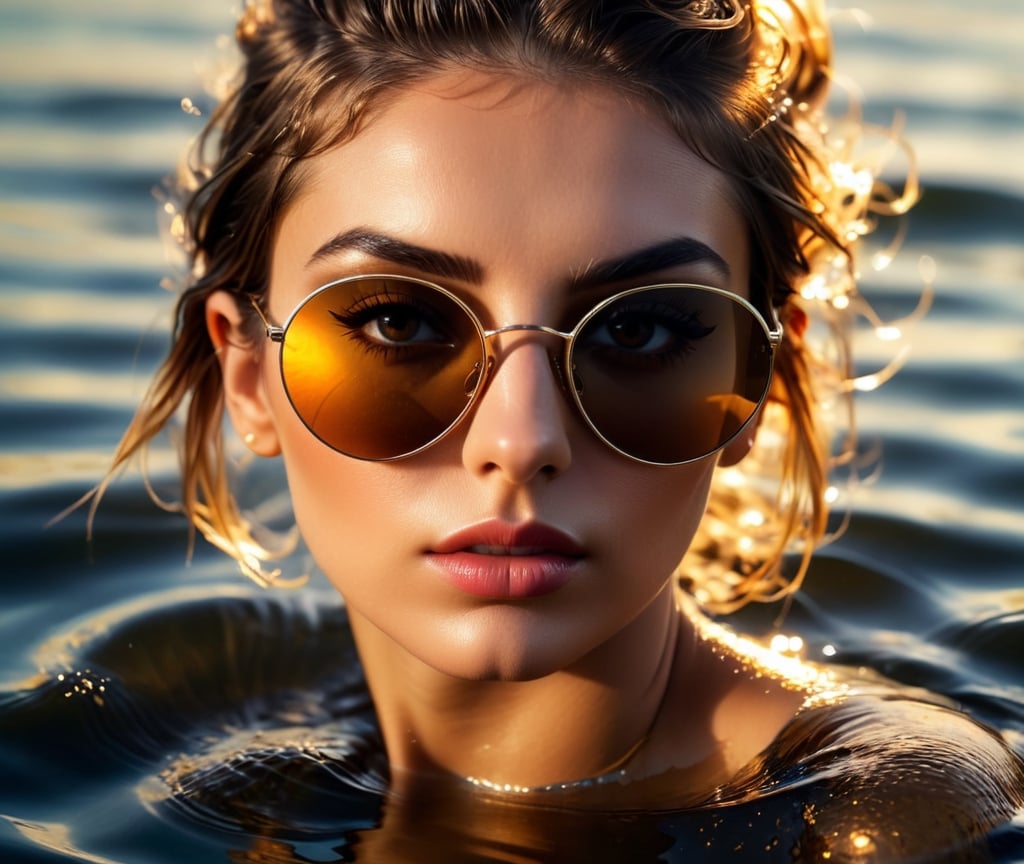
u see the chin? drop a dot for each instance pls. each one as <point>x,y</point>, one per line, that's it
<point>506,650</point>
<point>499,668</point>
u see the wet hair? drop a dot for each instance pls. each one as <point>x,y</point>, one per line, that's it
<point>742,86</point>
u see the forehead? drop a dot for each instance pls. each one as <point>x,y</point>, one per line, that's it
<point>521,174</point>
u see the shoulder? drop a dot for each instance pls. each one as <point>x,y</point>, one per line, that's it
<point>886,734</point>
<point>905,776</point>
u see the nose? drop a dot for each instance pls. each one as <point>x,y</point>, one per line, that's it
<point>520,426</point>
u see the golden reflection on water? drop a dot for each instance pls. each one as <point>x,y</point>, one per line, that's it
<point>38,230</point>
<point>56,837</point>
<point>84,683</point>
<point>80,467</point>
<point>56,307</point>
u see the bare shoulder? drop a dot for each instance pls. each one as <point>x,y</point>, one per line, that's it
<point>875,771</point>
<point>904,776</point>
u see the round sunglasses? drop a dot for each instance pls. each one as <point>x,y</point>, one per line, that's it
<point>382,367</point>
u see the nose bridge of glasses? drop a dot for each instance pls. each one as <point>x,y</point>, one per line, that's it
<point>532,328</point>
<point>556,357</point>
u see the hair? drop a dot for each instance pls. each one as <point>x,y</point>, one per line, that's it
<point>743,87</point>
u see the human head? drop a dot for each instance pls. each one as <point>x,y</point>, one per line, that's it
<point>741,86</point>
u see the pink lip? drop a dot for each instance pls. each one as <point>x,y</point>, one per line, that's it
<point>498,560</point>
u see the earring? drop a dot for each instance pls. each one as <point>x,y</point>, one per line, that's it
<point>249,439</point>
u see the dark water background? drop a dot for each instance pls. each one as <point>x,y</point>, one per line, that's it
<point>926,586</point>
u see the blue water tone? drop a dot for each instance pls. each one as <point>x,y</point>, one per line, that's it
<point>926,586</point>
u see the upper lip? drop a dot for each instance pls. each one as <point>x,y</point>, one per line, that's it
<point>497,537</point>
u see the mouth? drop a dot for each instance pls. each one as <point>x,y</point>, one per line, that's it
<point>480,549</point>
<point>503,561</point>
<point>496,537</point>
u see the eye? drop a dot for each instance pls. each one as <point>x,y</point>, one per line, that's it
<point>645,329</point>
<point>636,332</point>
<point>390,323</point>
<point>400,325</point>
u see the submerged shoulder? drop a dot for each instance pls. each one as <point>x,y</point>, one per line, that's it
<point>905,776</point>
<point>913,740</point>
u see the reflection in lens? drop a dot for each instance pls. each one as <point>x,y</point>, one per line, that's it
<point>372,401</point>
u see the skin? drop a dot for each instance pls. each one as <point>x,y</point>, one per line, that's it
<point>534,183</point>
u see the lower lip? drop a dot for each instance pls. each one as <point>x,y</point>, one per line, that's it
<point>505,577</point>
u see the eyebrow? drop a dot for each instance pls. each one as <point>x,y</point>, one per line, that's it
<point>400,252</point>
<point>649,260</point>
<point>642,262</point>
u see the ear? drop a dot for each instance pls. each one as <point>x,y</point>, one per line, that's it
<point>242,373</point>
<point>740,446</point>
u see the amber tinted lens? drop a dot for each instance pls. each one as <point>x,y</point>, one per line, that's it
<point>379,368</point>
<point>671,374</point>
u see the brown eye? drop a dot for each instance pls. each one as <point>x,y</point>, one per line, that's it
<point>384,322</point>
<point>399,325</point>
<point>631,332</point>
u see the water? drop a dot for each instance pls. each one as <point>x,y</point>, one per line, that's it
<point>926,586</point>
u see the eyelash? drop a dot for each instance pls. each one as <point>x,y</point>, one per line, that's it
<point>365,309</point>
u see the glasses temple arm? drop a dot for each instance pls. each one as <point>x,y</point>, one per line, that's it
<point>775,329</point>
<point>274,333</point>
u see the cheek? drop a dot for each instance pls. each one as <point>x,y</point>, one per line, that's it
<point>329,498</point>
<point>349,522</point>
<point>661,515</point>
<point>361,521</point>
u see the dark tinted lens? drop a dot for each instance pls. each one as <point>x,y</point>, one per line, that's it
<point>380,367</point>
<point>671,374</point>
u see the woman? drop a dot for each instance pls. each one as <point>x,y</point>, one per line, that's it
<point>519,291</point>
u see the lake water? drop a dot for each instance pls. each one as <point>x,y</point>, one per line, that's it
<point>926,586</point>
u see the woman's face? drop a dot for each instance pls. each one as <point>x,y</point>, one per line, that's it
<point>452,555</point>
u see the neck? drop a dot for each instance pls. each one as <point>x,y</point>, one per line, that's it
<point>576,722</point>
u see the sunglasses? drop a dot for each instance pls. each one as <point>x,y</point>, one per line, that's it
<point>382,367</point>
